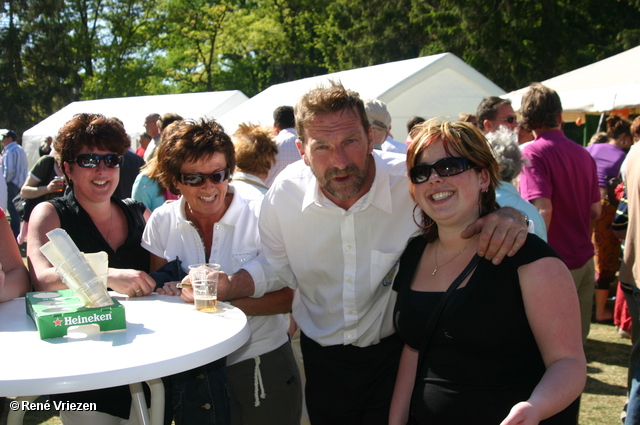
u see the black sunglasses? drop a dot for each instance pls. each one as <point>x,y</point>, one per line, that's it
<point>510,119</point>
<point>92,160</point>
<point>445,167</point>
<point>197,180</point>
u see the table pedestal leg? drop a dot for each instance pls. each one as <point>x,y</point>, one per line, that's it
<point>157,401</point>
<point>16,416</point>
<point>140,405</point>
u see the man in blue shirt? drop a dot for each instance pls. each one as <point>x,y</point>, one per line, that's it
<point>15,171</point>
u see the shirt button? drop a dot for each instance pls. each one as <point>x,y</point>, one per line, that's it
<point>348,246</point>
<point>349,336</point>
<point>349,281</point>
<point>351,312</point>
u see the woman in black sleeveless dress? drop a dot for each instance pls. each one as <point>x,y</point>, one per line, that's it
<point>506,348</point>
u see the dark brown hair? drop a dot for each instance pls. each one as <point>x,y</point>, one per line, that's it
<point>327,100</point>
<point>190,140</point>
<point>540,108</point>
<point>617,126</point>
<point>93,131</point>
<point>488,109</point>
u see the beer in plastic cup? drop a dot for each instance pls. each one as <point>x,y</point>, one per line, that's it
<point>204,281</point>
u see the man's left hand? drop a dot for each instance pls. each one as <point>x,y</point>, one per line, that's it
<point>503,232</point>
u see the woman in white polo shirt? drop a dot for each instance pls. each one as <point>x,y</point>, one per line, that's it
<point>213,224</point>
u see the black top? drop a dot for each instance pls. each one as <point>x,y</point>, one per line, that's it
<point>44,170</point>
<point>130,255</point>
<point>128,173</point>
<point>78,224</point>
<point>483,357</point>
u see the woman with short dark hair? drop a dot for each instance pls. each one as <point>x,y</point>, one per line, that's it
<point>213,223</point>
<point>89,151</point>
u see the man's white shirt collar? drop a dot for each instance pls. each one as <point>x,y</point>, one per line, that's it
<point>379,195</point>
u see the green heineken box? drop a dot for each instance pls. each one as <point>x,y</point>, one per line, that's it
<point>54,312</point>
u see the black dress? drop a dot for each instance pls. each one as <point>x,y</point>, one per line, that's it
<point>483,358</point>
<point>130,255</point>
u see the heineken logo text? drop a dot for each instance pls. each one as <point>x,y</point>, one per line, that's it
<point>68,321</point>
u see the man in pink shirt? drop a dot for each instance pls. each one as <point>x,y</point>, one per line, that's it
<point>561,181</point>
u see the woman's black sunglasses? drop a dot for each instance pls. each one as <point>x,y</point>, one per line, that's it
<point>197,180</point>
<point>92,160</point>
<point>445,167</point>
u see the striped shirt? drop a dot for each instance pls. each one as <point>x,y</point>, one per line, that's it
<point>288,153</point>
<point>14,164</point>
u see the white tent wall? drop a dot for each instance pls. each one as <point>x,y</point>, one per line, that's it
<point>132,111</point>
<point>432,86</point>
<point>612,83</point>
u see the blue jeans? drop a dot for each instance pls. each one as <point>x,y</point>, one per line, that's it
<point>12,192</point>
<point>633,405</point>
<point>198,396</point>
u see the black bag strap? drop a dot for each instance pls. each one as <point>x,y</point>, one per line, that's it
<point>435,316</point>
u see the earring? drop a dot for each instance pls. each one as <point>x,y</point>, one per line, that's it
<point>416,221</point>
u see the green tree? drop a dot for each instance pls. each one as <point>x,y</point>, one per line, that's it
<point>515,42</point>
<point>358,34</point>
<point>116,46</point>
<point>271,42</point>
<point>512,42</point>
<point>13,107</point>
<point>51,71</point>
<point>191,40</point>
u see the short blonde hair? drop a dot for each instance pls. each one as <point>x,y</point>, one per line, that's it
<point>255,148</point>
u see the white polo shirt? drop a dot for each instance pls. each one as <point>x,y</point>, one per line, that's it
<point>235,241</point>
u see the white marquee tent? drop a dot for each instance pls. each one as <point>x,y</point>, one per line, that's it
<point>612,83</point>
<point>132,111</point>
<point>432,86</point>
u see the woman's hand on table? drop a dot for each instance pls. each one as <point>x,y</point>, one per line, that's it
<point>133,283</point>
<point>186,293</point>
<point>170,288</point>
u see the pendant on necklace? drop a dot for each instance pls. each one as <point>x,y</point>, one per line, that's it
<point>434,271</point>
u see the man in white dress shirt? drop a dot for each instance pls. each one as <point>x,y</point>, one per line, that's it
<point>334,226</point>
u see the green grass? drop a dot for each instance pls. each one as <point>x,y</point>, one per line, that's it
<point>607,365</point>
<point>602,401</point>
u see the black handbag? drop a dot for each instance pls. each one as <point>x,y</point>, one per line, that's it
<point>25,206</point>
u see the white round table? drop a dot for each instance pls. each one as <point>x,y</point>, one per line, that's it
<point>164,336</point>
